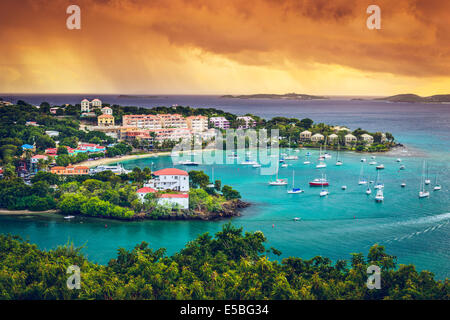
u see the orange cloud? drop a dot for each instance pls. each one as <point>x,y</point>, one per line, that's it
<point>181,46</point>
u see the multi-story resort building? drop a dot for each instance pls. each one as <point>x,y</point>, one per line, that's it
<point>173,121</point>
<point>317,137</point>
<point>171,199</point>
<point>219,122</point>
<point>144,121</point>
<point>197,123</point>
<point>107,110</point>
<point>249,122</point>
<point>367,138</point>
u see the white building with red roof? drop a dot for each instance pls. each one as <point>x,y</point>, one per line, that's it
<point>170,179</point>
<point>171,199</point>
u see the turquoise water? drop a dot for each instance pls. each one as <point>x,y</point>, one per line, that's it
<point>415,230</point>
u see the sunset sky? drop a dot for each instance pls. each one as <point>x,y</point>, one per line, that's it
<point>225,47</point>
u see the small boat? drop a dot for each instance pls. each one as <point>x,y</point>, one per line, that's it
<point>372,163</point>
<point>399,160</point>
<point>319,182</point>
<point>296,219</point>
<point>291,158</point>
<point>308,154</point>
<point>256,165</point>
<point>403,184</point>
<point>306,162</point>
<point>422,192</point>
<point>327,156</point>
<point>338,160</point>
<point>188,163</point>
<point>380,167</point>
<point>69,217</point>
<point>363,159</point>
<point>368,191</point>
<point>379,197</point>
<point>284,165</point>
<point>362,181</point>
<point>437,186</point>
<point>344,187</point>
<point>249,162</point>
<point>427,179</point>
<point>402,167</point>
<point>294,190</point>
<point>372,157</point>
<point>278,182</point>
<point>378,184</point>
<point>321,165</point>
<point>324,192</point>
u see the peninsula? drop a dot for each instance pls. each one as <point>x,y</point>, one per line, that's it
<point>286,96</point>
<point>414,98</point>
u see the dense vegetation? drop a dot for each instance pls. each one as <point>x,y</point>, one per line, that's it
<point>231,265</point>
<point>107,195</point>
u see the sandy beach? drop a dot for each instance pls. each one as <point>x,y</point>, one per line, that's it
<point>104,161</point>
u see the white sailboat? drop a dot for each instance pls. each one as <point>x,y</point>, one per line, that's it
<point>321,165</point>
<point>278,182</point>
<point>339,161</point>
<point>378,184</point>
<point>427,179</point>
<point>211,184</point>
<point>306,161</point>
<point>362,180</point>
<point>294,190</point>
<point>324,191</point>
<point>379,197</point>
<point>437,186</point>
<point>326,155</point>
<point>422,192</point>
<point>368,191</point>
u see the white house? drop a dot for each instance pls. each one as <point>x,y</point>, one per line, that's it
<point>333,137</point>
<point>85,105</point>
<point>96,103</point>
<point>305,135</point>
<point>367,138</point>
<point>107,110</point>
<point>169,179</point>
<point>170,199</point>
<point>349,138</point>
<point>317,137</point>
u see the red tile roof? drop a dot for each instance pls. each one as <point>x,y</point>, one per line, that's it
<point>146,190</point>
<point>175,195</point>
<point>170,172</point>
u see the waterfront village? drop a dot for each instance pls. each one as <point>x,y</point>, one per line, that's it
<point>52,148</point>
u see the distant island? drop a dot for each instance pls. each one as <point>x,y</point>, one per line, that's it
<point>136,96</point>
<point>287,96</point>
<point>414,98</point>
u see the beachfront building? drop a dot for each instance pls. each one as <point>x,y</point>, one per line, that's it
<point>219,122</point>
<point>173,120</point>
<point>144,121</point>
<point>197,123</point>
<point>367,138</point>
<point>169,179</point>
<point>349,139</point>
<point>248,122</point>
<point>107,110</point>
<point>340,128</point>
<point>105,120</point>
<point>180,200</point>
<point>333,137</point>
<point>317,137</point>
<point>70,170</point>
<point>305,135</point>
<point>172,134</point>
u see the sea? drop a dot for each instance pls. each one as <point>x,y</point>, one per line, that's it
<point>347,221</point>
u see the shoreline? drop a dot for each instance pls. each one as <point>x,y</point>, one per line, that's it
<point>6,212</point>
